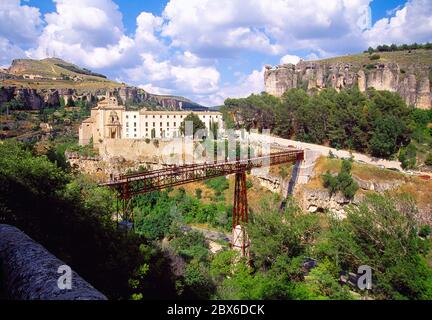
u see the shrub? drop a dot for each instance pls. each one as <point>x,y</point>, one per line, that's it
<point>425,231</point>
<point>219,184</point>
<point>375,57</point>
<point>343,182</point>
<point>428,160</point>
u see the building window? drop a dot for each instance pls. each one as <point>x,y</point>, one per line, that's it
<point>160,116</point>
<point>154,124</point>
<point>127,124</point>
<point>175,124</point>
<point>135,129</point>
<point>161,124</point>
<point>127,117</point>
<point>135,117</point>
<point>146,124</point>
<point>168,117</point>
<point>167,124</point>
<point>146,116</point>
<point>135,135</point>
<point>134,124</point>
<point>153,116</point>
<point>146,129</point>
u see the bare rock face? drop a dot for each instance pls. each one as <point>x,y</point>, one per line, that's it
<point>36,99</point>
<point>361,79</point>
<point>412,83</point>
<point>424,94</point>
<point>320,200</point>
<point>384,77</point>
<point>279,80</point>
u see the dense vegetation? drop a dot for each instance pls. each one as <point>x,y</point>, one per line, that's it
<point>73,218</point>
<point>374,122</point>
<point>83,71</point>
<point>381,233</point>
<point>402,47</point>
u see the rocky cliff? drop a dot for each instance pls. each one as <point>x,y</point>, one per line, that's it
<point>35,99</point>
<point>407,75</point>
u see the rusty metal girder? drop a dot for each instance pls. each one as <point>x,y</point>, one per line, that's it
<point>130,185</point>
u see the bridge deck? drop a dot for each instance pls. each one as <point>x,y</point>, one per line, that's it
<point>138,183</point>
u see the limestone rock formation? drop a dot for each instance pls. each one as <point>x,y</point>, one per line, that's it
<point>36,99</point>
<point>411,82</point>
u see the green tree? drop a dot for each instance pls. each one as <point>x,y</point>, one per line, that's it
<point>382,234</point>
<point>196,123</point>
<point>385,138</point>
<point>74,222</point>
<point>343,182</point>
<point>274,233</point>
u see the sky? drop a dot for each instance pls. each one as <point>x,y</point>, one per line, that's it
<point>205,50</point>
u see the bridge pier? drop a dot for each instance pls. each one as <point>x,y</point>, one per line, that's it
<point>240,239</point>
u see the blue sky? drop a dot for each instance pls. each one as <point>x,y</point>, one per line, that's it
<point>206,50</point>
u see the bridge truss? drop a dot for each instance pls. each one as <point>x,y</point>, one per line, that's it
<point>131,185</point>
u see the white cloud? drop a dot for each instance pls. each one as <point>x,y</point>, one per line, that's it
<point>244,87</point>
<point>289,59</point>
<point>412,23</point>
<point>226,27</point>
<point>165,74</point>
<point>86,32</point>
<point>8,51</point>
<point>155,90</point>
<point>19,24</point>
<point>146,35</point>
<point>181,52</point>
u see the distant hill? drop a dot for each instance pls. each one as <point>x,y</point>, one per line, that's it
<point>52,68</point>
<point>42,83</point>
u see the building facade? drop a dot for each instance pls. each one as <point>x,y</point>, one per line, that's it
<point>109,120</point>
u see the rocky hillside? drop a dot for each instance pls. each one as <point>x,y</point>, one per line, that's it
<point>42,83</point>
<point>407,72</point>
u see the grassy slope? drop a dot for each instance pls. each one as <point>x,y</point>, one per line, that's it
<point>403,58</point>
<point>49,68</point>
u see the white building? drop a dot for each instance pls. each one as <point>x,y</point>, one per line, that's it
<point>109,120</point>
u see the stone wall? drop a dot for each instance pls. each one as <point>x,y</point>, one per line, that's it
<point>30,272</point>
<point>158,151</point>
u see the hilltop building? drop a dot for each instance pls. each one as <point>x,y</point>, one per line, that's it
<point>109,120</point>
